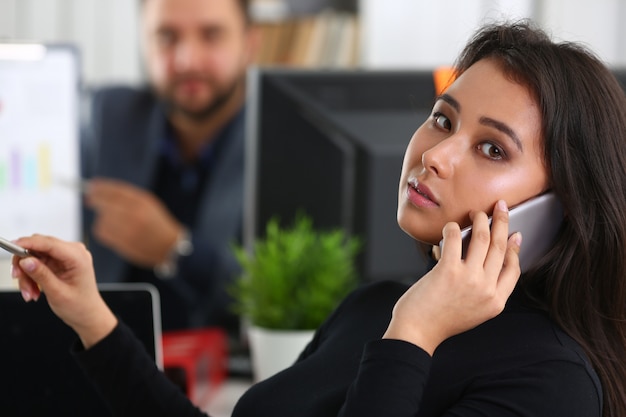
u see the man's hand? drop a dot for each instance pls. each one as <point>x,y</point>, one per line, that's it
<point>132,221</point>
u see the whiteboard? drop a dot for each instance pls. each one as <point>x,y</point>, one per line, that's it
<point>39,141</point>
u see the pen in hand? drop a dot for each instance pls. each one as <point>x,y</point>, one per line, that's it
<point>13,248</point>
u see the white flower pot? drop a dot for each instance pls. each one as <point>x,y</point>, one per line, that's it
<point>272,351</point>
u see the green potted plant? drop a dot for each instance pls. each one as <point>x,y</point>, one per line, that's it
<point>291,281</point>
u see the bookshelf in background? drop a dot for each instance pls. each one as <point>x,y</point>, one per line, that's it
<point>327,39</point>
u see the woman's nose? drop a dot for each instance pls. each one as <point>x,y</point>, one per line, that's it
<point>442,158</point>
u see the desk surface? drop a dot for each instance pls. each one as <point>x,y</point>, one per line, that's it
<point>221,404</point>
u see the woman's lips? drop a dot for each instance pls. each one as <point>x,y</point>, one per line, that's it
<point>420,195</point>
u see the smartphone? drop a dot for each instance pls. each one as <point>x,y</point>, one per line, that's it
<point>538,219</point>
<point>13,248</point>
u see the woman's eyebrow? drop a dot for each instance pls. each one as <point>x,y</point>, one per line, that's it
<point>451,101</point>
<point>502,127</point>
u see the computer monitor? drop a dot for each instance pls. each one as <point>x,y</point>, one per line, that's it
<point>39,141</point>
<point>330,144</point>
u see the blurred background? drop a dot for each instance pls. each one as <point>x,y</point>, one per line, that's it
<point>319,33</point>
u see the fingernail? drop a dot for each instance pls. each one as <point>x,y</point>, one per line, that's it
<point>502,205</point>
<point>28,264</point>
<point>26,295</point>
<point>517,238</point>
<point>13,272</point>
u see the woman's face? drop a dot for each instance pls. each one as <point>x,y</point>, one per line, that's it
<point>481,143</point>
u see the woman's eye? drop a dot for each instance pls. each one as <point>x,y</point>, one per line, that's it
<point>490,150</point>
<point>442,121</point>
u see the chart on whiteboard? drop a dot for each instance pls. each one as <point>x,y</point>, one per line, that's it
<point>39,145</point>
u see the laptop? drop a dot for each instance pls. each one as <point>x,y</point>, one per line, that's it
<point>39,377</point>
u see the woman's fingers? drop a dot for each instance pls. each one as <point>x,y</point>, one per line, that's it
<point>452,247</point>
<point>498,240</point>
<point>459,294</point>
<point>496,255</point>
<point>510,273</point>
<point>49,247</point>
<point>39,276</point>
<point>63,270</point>
<point>27,286</point>
<point>29,289</point>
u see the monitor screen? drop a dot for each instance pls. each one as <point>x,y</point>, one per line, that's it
<point>39,141</point>
<point>330,144</point>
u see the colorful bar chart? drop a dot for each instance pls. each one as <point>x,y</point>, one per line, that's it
<point>24,170</point>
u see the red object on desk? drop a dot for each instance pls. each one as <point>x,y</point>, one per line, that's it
<point>196,360</point>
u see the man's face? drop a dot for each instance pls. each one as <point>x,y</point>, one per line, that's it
<point>196,52</point>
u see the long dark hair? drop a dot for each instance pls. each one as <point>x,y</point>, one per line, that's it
<point>581,283</point>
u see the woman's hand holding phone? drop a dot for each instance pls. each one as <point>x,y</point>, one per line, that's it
<point>459,294</point>
<point>64,272</point>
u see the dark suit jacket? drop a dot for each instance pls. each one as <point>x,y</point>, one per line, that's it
<point>123,140</point>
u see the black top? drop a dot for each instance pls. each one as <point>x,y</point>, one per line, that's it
<point>517,364</point>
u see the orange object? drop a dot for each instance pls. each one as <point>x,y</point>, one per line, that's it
<point>443,77</point>
<point>196,360</point>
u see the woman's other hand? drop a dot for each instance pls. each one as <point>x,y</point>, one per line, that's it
<point>459,294</point>
<point>63,271</point>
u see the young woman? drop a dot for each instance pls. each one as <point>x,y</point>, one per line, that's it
<point>470,338</point>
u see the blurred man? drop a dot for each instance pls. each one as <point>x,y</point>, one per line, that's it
<point>166,161</point>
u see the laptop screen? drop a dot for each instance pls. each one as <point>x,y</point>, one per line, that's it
<point>39,375</point>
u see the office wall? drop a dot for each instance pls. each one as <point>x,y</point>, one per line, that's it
<point>414,33</point>
<point>395,33</point>
<point>105,30</point>
<point>426,34</point>
<point>598,23</point>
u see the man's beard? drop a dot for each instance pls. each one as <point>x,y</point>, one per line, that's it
<point>213,106</point>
